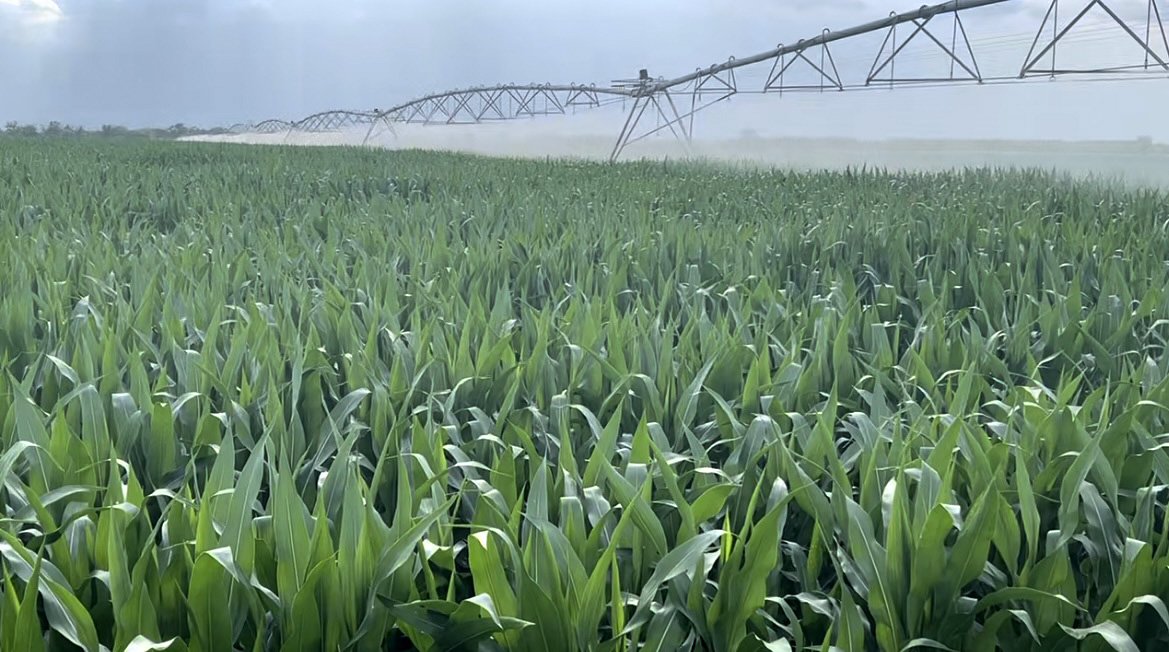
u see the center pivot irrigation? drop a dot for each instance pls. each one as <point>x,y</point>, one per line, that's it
<point>706,87</point>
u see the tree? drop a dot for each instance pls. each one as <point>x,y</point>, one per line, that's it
<point>14,128</point>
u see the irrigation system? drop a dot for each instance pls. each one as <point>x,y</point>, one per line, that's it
<point>673,102</point>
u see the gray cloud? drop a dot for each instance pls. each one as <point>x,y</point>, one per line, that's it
<point>26,13</point>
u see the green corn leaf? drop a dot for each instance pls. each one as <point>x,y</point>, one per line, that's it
<point>143,644</point>
<point>1112,634</point>
<point>209,615</point>
<point>27,634</point>
<point>677,561</point>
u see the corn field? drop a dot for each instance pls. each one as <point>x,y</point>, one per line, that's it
<point>335,399</point>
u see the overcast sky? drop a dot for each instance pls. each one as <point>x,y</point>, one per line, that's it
<point>217,62</point>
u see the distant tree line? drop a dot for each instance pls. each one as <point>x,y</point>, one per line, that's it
<point>58,130</point>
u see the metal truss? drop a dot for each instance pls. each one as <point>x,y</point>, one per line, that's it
<point>882,62</point>
<point>715,81</point>
<point>664,109</point>
<point>721,84</point>
<point>334,120</point>
<point>271,127</point>
<point>1154,27</point>
<point>330,121</point>
<point>465,106</point>
<point>798,53</point>
<point>653,99</point>
<point>462,106</point>
<point>775,79</point>
<point>504,102</point>
<point>381,120</point>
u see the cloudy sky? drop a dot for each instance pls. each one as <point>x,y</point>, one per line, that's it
<point>216,62</point>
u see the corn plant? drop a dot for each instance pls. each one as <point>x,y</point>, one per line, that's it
<point>334,399</point>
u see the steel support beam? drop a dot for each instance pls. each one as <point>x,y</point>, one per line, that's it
<point>775,79</point>
<point>665,109</point>
<point>1154,25</point>
<point>882,62</point>
<point>894,19</point>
